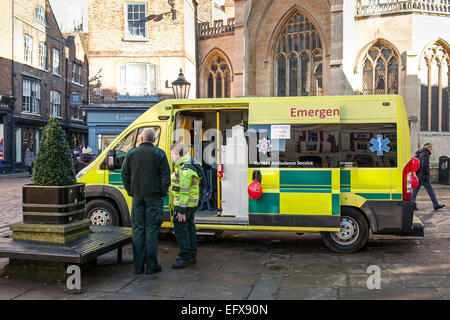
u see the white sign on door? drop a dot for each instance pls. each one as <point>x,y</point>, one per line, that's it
<point>280,132</point>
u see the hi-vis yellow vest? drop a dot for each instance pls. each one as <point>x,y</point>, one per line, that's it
<point>185,184</point>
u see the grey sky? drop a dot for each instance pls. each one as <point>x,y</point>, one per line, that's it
<point>66,11</point>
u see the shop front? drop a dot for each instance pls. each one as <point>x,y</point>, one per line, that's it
<point>106,122</point>
<point>76,133</point>
<point>6,136</point>
<point>27,135</point>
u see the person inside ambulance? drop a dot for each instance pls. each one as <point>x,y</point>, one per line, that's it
<point>187,179</point>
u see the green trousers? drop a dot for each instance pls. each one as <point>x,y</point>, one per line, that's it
<point>146,220</point>
<point>186,235</point>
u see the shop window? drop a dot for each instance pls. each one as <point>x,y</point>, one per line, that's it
<point>28,141</point>
<point>104,140</point>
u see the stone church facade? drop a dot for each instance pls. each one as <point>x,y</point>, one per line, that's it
<point>335,47</point>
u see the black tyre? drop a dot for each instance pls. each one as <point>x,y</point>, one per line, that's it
<point>102,213</point>
<point>353,235</point>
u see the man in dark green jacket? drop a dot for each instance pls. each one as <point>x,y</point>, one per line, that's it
<point>146,177</point>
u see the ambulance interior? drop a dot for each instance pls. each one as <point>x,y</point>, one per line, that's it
<point>225,197</point>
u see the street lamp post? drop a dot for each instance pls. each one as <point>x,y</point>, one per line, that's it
<point>181,87</point>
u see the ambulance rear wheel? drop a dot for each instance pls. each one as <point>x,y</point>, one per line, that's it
<point>102,213</point>
<point>353,235</point>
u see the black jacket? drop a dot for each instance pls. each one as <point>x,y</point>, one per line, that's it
<point>82,162</point>
<point>146,172</point>
<point>424,170</point>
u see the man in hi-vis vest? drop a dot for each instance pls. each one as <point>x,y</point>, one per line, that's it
<point>187,179</point>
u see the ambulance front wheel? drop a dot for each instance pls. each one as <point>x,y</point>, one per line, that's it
<point>102,213</point>
<point>353,235</point>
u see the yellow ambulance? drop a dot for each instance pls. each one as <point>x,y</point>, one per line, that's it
<point>339,165</point>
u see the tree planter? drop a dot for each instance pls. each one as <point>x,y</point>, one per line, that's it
<point>53,204</point>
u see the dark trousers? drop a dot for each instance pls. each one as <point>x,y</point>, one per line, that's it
<point>186,235</point>
<point>427,185</point>
<point>146,220</point>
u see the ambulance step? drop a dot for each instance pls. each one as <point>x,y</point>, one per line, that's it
<point>220,220</point>
<point>214,233</point>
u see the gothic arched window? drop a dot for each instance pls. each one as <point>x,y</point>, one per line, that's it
<point>434,95</point>
<point>218,76</point>
<point>298,59</point>
<point>380,70</point>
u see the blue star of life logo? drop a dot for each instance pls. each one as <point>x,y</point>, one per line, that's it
<point>380,145</point>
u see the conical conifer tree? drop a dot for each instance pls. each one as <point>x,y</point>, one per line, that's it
<point>53,164</point>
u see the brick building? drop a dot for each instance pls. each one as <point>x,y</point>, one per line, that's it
<point>33,60</point>
<point>77,88</point>
<point>323,47</point>
<point>136,50</point>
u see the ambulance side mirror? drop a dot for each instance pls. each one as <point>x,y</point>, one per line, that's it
<point>111,160</point>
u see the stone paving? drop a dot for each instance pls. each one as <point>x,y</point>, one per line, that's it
<point>11,198</point>
<point>264,266</point>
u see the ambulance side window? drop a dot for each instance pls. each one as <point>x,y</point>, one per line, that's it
<point>132,140</point>
<point>294,146</point>
<point>369,145</point>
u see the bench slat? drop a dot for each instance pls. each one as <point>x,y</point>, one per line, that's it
<point>101,241</point>
<point>22,249</point>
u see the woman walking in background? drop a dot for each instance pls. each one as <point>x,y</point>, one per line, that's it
<point>29,160</point>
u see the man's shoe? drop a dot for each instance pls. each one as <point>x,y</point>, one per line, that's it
<point>439,207</point>
<point>139,271</point>
<point>192,260</point>
<point>181,264</point>
<point>156,270</point>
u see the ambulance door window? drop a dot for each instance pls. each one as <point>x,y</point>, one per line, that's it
<point>369,145</point>
<point>122,148</point>
<point>157,136</point>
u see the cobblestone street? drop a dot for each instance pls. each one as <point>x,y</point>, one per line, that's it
<point>11,198</point>
<point>261,265</point>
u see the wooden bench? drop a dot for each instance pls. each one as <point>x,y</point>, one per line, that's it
<point>101,241</point>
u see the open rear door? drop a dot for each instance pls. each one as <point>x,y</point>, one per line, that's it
<point>294,147</point>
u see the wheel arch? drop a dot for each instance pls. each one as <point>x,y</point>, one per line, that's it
<point>113,195</point>
<point>368,214</point>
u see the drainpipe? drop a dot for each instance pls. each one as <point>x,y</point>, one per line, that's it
<point>11,149</point>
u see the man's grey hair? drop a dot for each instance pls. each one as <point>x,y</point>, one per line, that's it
<point>148,135</point>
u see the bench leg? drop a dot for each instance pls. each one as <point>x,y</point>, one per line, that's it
<point>119,255</point>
